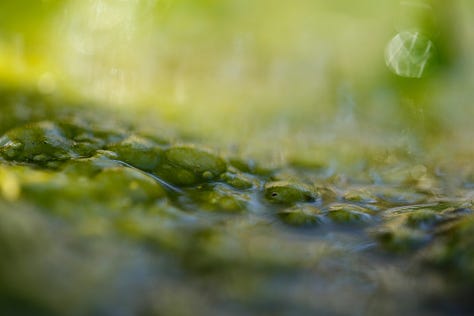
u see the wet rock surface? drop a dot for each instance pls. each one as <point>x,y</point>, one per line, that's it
<point>166,220</point>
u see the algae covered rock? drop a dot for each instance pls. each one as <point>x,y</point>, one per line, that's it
<point>363,196</point>
<point>398,196</point>
<point>453,251</point>
<point>423,218</point>
<point>70,190</point>
<point>86,141</point>
<point>407,228</point>
<point>188,165</point>
<point>138,152</point>
<point>36,142</point>
<point>238,180</point>
<point>122,183</point>
<point>349,214</point>
<point>301,216</point>
<point>219,198</point>
<point>401,239</point>
<point>47,141</point>
<point>287,192</point>
<point>88,167</point>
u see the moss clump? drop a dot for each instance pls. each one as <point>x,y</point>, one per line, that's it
<point>360,196</point>
<point>423,219</point>
<point>189,165</point>
<point>301,216</point>
<point>37,142</point>
<point>401,239</point>
<point>219,198</point>
<point>349,214</point>
<point>406,229</point>
<point>453,251</point>
<point>238,180</point>
<point>138,152</point>
<point>126,183</point>
<point>286,192</point>
<point>88,167</point>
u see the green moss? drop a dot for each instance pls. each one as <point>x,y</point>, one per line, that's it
<point>56,192</point>
<point>423,218</point>
<point>398,196</point>
<point>401,239</point>
<point>407,229</point>
<point>360,196</point>
<point>188,165</point>
<point>105,183</point>
<point>238,180</point>
<point>87,167</point>
<point>453,252</point>
<point>286,192</point>
<point>85,142</point>
<point>138,152</point>
<point>129,184</point>
<point>301,216</point>
<point>349,214</point>
<point>250,166</point>
<point>219,198</point>
<point>37,142</point>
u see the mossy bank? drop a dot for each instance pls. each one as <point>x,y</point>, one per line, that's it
<point>98,217</point>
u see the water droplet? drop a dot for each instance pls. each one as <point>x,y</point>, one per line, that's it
<point>408,54</point>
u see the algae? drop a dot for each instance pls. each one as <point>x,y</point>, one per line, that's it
<point>77,192</point>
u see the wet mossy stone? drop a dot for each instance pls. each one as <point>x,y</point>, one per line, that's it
<point>287,192</point>
<point>249,166</point>
<point>456,212</point>
<point>301,216</point>
<point>122,183</point>
<point>242,164</point>
<point>86,144</point>
<point>189,165</point>
<point>139,152</point>
<point>400,239</point>
<point>36,142</point>
<point>88,167</point>
<point>83,184</point>
<point>238,180</point>
<point>349,214</point>
<point>397,196</point>
<point>87,148</point>
<point>113,179</point>
<point>360,196</point>
<point>219,198</point>
<point>406,229</point>
<point>76,127</point>
<point>423,218</point>
<point>453,250</point>
<point>56,191</point>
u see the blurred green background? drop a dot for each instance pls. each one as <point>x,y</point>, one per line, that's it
<point>282,80</point>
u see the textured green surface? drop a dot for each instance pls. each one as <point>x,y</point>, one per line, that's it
<point>232,157</point>
<point>100,218</point>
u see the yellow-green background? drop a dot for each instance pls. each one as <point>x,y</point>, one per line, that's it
<point>281,80</point>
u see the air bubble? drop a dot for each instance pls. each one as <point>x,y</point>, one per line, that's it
<point>409,54</point>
